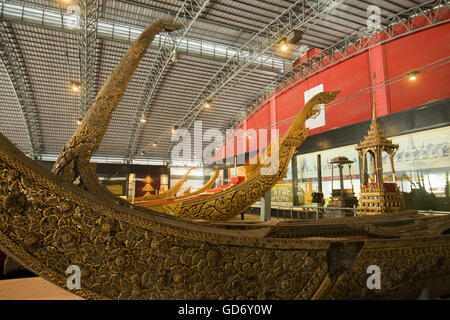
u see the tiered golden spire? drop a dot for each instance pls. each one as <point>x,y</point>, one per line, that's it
<point>374,109</point>
<point>375,136</point>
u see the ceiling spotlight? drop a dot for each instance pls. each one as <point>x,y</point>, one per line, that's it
<point>143,120</point>
<point>207,104</point>
<point>412,75</point>
<point>283,44</point>
<point>79,120</point>
<point>292,37</point>
<point>75,86</point>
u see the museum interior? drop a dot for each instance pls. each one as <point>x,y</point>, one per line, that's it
<point>224,149</point>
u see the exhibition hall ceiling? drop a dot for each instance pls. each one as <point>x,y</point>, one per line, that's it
<point>46,54</point>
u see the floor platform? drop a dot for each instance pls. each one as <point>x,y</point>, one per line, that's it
<point>34,288</point>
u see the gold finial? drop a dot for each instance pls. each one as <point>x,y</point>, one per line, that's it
<point>374,112</point>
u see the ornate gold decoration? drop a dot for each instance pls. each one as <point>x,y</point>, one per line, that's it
<point>176,188</point>
<point>168,194</point>
<point>128,253</point>
<point>378,198</point>
<point>344,198</point>
<point>236,199</point>
<point>73,162</point>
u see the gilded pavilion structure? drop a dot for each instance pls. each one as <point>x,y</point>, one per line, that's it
<point>344,198</point>
<point>377,196</point>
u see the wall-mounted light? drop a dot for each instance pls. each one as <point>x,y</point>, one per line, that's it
<point>413,75</point>
<point>79,120</point>
<point>207,104</point>
<point>154,144</point>
<point>174,129</point>
<point>292,37</point>
<point>75,86</point>
<point>142,152</point>
<point>143,120</point>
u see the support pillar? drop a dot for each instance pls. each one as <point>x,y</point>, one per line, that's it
<point>362,170</point>
<point>266,206</point>
<point>226,175</point>
<point>378,75</point>
<point>131,186</point>
<point>341,180</point>
<point>379,169</point>
<point>294,181</point>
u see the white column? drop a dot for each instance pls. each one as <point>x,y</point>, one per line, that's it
<point>266,206</point>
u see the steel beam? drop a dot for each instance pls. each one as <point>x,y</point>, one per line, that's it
<point>297,15</point>
<point>418,18</point>
<point>87,45</point>
<point>173,13</point>
<point>13,61</point>
<point>49,19</point>
<point>188,13</point>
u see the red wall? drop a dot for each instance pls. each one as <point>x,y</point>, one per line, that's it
<point>407,53</point>
<point>347,77</point>
<point>350,76</point>
<point>401,56</point>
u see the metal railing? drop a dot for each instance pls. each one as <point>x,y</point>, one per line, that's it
<point>287,212</point>
<point>432,212</point>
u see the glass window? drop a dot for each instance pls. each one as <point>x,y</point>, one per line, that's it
<point>307,173</point>
<point>421,164</point>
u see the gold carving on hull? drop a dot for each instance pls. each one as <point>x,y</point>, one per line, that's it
<point>48,224</point>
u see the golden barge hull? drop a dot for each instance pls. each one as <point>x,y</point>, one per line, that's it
<point>48,224</point>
